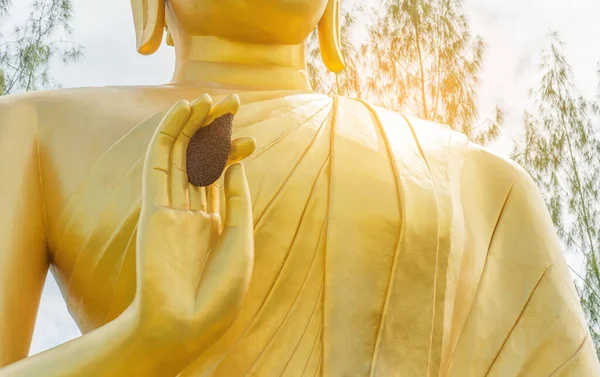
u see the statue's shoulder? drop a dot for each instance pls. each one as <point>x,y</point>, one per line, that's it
<point>364,122</point>
<point>66,96</point>
<point>21,111</point>
<point>493,166</point>
<point>74,107</point>
<point>448,153</point>
<point>438,141</point>
<point>494,178</point>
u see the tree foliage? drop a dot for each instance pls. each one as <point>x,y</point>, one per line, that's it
<point>561,150</point>
<point>420,57</point>
<point>27,51</point>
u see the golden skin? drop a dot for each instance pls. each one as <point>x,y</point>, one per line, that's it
<point>279,22</point>
<point>355,242</point>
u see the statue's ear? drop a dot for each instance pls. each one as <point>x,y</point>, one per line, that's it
<point>329,37</point>
<point>149,20</point>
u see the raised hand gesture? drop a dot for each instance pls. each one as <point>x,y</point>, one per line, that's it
<point>192,271</point>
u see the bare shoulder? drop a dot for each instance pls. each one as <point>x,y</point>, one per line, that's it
<point>62,96</point>
<point>64,107</point>
<point>13,107</point>
<point>95,109</point>
<point>70,129</point>
<point>18,123</point>
<point>68,121</point>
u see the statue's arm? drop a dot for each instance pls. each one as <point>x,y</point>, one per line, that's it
<point>193,270</point>
<point>526,308</point>
<point>114,349</point>
<point>552,322</point>
<point>24,265</point>
<point>23,259</point>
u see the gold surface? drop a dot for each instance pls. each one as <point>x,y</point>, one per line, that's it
<point>355,241</point>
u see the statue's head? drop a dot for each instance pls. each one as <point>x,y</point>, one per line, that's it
<point>255,21</point>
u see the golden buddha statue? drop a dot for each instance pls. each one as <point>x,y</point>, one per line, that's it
<point>355,241</point>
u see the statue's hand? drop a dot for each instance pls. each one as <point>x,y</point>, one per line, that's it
<point>192,272</point>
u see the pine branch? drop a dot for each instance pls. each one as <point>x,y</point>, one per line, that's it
<point>25,60</point>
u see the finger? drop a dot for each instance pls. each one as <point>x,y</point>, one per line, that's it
<point>178,187</point>
<point>237,198</point>
<point>201,107</point>
<point>179,183</point>
<point>155,187</point>
<point>229,104</point>
<point>159,149</point>
<point>176,118</point>
<point>240,149</point>
<point>212,198</point>
<point>156,164</point>
<point>197,198</point>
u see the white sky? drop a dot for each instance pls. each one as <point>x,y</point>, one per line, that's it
<point>513,29</point>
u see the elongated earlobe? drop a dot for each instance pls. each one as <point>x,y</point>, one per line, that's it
<point>329,37</point>
<point>149,20</point>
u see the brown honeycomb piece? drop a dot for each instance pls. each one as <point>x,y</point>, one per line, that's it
<point>208,151</point>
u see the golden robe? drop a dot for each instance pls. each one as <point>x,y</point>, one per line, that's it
<point>385,246</point>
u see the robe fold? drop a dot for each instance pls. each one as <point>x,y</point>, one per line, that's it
<point>384,246</point>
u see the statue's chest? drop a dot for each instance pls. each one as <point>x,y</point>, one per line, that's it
<point>93,241</point>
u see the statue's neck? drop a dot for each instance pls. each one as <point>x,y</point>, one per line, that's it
<point>222,63</point>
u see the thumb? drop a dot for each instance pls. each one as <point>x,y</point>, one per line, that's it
<point>237,198</point>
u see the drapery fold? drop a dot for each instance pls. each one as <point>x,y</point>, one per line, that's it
<point>385,246</point>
